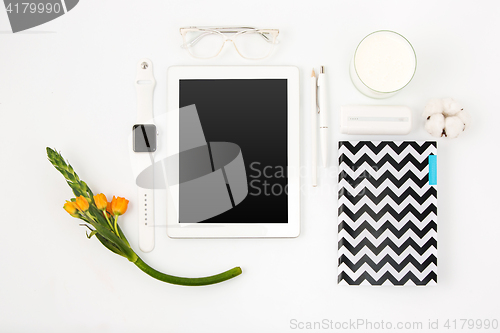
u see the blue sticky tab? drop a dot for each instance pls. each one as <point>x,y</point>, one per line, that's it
<point>432,170</point>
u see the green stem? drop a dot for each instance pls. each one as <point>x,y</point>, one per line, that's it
<point>122,236</point>
<point>90,216</point>
<point>116,229</point>
<point>107,219</point>
<point>183,281</point>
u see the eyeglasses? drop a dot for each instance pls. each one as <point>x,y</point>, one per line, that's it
<point>250,43</point>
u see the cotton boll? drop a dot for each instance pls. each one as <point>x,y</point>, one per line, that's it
<point>435,125</point>
<point>453,126</point>
<point>464,116</point>
<point>434,106</point>
<point>445,117</point>
<point>451,107</point>
<point>447,102</point>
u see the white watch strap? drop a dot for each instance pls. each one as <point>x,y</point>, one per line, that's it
<point>146,200</point>
<point>146,219</point>
<point>145,85</point>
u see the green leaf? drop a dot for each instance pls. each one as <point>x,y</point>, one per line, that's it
<point>119,243</point>
<point>75,188</point>
<point>99,216</point>
<point>55,158</point>
<point>61,170</point>
<point>70,176</point>
<point>109,245</point>
<point>60,160</point>
<point>122,235</point>
<point>92,234</point>
<point>86,188</point>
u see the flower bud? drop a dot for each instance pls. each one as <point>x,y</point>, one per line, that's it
<point>109,209</point>
<point>82,203</point>
<point>119,205</point>
<point>70,207</point>
<point>100,201</point>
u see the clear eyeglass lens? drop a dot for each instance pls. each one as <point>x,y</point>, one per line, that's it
<point>203,44</point>
<point>254,44</point>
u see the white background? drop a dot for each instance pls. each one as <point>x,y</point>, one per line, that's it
<point>68,84</point>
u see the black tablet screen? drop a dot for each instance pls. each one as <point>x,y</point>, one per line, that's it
<point>233,151</point>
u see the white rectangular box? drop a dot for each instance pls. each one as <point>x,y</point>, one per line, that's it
<point>375,119</point>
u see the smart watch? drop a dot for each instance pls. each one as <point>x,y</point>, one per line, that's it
<point>144,144</point>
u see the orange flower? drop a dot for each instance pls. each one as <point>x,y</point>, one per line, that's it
<point>70,207</point>
<point>109,209</point>
<point>119,205</point>
<point>100,201</point>
<point>82,203</point>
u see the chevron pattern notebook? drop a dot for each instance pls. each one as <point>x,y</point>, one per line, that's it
<point>387,231</point>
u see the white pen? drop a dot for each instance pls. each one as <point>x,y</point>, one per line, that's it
<point>314,113</point>
<point>323,116</point>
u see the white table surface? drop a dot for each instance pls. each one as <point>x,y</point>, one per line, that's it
<point>68,84</point>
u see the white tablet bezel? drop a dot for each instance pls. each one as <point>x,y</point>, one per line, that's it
<point>175,229</point>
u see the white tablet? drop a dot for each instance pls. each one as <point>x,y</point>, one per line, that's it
<point>233,145</point>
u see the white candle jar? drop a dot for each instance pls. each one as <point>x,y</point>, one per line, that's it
<point>384,63</point>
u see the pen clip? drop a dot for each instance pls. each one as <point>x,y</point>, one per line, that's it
<point>317,100</point>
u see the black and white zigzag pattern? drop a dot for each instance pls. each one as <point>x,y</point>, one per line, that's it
<point>387,214</point>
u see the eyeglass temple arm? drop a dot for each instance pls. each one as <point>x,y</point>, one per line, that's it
<point>197,39</point>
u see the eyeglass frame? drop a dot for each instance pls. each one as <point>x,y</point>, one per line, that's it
<point>226,30</point>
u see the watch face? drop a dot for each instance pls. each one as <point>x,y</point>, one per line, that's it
<point>144,138</point>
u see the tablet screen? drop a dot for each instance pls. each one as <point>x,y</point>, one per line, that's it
<point>233,151</point>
